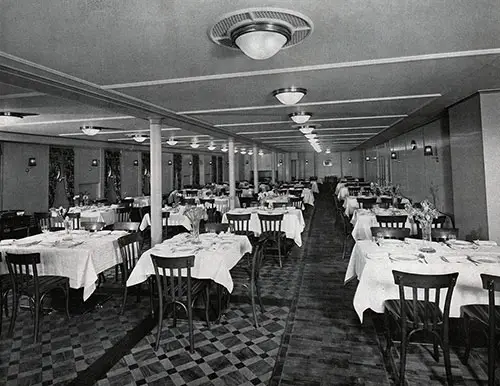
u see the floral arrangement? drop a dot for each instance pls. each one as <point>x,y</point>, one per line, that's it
<point>423,213</point>
<point>196,213</point>
<point>388,189</point>
<point>264,195</point>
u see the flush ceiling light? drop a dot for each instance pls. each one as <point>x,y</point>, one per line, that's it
<point>243,151</point>
<point>171,141</point>
<point>327,151</point>
<point>235,150</point>
<point>261,152</point>
<point>195,145</point>
<point>90,130</point>
<point>310,136</point>
<point>250,152</point>
<point>9,117</point>
<point>139,138</point>
<point>261,32</point>
<point>289,95</point>
<point>223,149</point>
<point>306,129</point>
<point>211,147</point>
<point>300,117</point>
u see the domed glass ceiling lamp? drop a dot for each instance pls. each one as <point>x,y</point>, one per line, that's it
<point>300,117</point>
<point>289,95</point>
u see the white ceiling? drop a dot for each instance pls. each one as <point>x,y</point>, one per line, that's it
<point>373,69</point>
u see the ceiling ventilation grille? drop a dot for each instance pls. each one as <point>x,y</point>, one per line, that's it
<point>300,25</point>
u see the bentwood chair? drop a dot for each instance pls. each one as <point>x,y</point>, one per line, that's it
<point>297,202</point>
<point>75,219</point>
<point>392,221</point>
<point>177,290</point>
<point>212,214</point>
<point>270,225</point>
<point>366,202</point>
<point>246,202</point>
<point>239,224</point>
<point>5,287</point>
<point>26,282</point>
<point>390,233</point>
<point>130,251</point>
<point>43,219</point>
<point>488,315</point>
<point>122,214</point>
<point>420,313</point>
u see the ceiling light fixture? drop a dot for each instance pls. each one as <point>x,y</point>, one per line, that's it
<point>139,138</point>
<point>300,117</point>
<point>243,151</point>
<point>90,130</point>
<point>9,117</point>
<point>307,129</point>
<point>224,149</point>
<point>250,152</point>
<point>171,141</point>
<point>289,95</point>
<point>310,136</point>
<point>261,32</point>
<point>235,150</point>
<point>328,151</point>
<point>195,145</point>
<point>211,147</point>
<point>261,153</point>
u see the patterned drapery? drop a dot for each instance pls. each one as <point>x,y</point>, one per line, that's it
<point>177,171</point>
<point>146,173</point>
<point>214,168</point>
<point>61,173</point>
<point>113,180</point>
<point>196,170</point>
<point>220,174</point>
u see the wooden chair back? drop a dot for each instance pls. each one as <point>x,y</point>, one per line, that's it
<point>398,221</point>
<point>390,233</point>
<point>128,226</point>
<point>23,271</point>
<point>366,202</point>
<point>444,234</point>
<point>122,214</point>
<point>239,223</point>
<point>270,223</point>
<point>93,226</point>
<point>130,251</point>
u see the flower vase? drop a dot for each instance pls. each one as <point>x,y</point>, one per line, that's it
<point>426,228</point>
<point>195,232</point>
<point>68,226</point>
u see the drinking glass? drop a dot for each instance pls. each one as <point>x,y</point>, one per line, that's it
<point>44,228</point>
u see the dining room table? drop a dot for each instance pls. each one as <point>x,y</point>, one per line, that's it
<point>79,255</point>
<point>372,263</point>
<point>176,217</point>
<point>95,213</point>
<point>215,256</point>
<point>363,219</point>
<point>293,221</point>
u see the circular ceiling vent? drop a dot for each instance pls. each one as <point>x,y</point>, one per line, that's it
<point>299,26</point>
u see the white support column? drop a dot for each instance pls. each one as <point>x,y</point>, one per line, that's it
<point>273,167</point>
<point>255,170</point>
<point>156,189</point>
<point>232,181</point>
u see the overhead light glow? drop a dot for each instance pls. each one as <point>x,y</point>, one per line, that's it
<point>90,130</point>
<point>224,149</point>
<point>139,138</point>
<point>306,129</point>
<point>243,151</point>
<point>171,141</point>
<point>300,117</point>
<point>261,40</point>
<point>211,147</point>
<point>290,95</point>
<point>310,136</point>
<point>195,145</point>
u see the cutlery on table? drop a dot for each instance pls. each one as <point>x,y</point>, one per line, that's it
<point>472,261</point>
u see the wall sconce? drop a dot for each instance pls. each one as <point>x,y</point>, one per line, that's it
<point>210,163</point>
<point>169,162</point>
<point>394,155</point>
<point>367,158</point>
<point>31,163</point>
<point>349,159</point>
<point>428,150</point>
<point>307,161</point>
<point>95,162</point>
<point>136,162</point>
<point>374,158</point>
<point>190,162</point>
<point>413,145</point>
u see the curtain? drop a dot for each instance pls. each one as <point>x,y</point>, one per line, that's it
<point>214,168</point>
<point>112,182</point>
<point>146,173</point>
<point>61,176</point>
<point>196,170</point>
<point>177,171</point>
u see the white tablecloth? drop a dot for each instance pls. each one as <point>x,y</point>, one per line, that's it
<point>214,260</point>
<point>363,219</point>
<point>293,222</point>
<point>314,187</point>
<point>80,263</point>
<point>376,282</point>
<point>176,218</point>
<point>103,214</point>
<point>141,201</point>
<point>307,196</point>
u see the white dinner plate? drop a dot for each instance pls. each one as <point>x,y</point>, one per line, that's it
<point>391,242</point>
<point>486,258</point>
<point>455,258</point>
<point>403,257</point>
<point>459,242</point>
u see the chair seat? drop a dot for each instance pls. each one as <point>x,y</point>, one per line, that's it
<point>271,234</point>
<point>393,306</point>
<point>480,312</point>
<point>46,284</point>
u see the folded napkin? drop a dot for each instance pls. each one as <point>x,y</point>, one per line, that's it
<point>377,255</point>
<point>485,243</point>
<point>7,241</point>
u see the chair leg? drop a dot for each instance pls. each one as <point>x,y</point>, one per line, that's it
<point>436,348</point>
<point>1,310</point>
<point>13,316</point>
<point>190,320</point>
<point>402,364</point>
<point>279,251</point>
<point>207,303</point>
<point>257,287</point>
<point>66,295</point>
<point>125,300</point>
<point>160,317</point>
<point>388,333</point>
<point>252,298</point>
<point>467,338</point>
<point>36,323</point>
<point>447,362</point>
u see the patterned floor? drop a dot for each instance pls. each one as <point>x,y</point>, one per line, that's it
<point>309,335</point>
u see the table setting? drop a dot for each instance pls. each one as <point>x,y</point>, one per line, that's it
<point>215,255</point>
<point>372,262</point>
<point>363,219</point>
<point>79,255</point>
